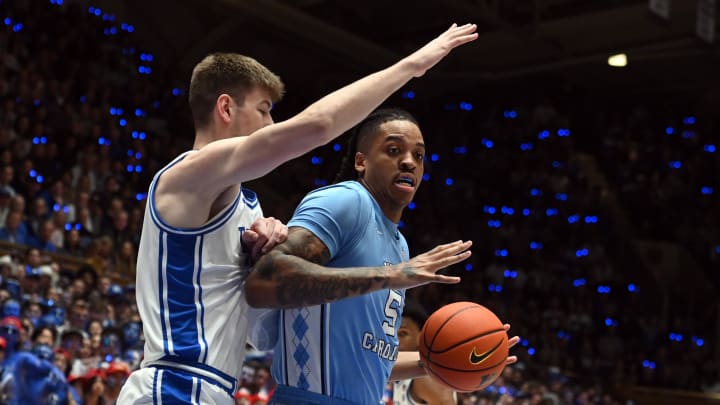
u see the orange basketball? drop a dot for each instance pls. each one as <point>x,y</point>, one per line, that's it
<point>464,346</point>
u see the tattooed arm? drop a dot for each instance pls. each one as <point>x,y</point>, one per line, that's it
<point>292,274</point>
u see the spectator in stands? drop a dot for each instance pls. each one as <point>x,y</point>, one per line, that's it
<point>43,239</point>
<point>15,230</point>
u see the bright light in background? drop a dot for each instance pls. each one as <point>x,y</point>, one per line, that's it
<point>619,60</point>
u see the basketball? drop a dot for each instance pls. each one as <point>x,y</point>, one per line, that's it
<point>463,346</point>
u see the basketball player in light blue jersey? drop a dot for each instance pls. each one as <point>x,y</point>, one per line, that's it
<point>345,351</point>
<point>191,265</point>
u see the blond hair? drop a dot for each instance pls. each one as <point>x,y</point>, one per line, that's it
<point>229,73</point>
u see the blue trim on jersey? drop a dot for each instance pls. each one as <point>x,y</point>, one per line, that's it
<point>249,197</point>
<point>161,271</point>
<point>181,252</point>
<point>218,221</point>
<point>202,306</point>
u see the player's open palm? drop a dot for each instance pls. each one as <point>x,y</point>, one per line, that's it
<point>430,54</point>
<point>423,268</point>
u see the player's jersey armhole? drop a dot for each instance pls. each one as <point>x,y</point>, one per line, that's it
<point>216,222</point>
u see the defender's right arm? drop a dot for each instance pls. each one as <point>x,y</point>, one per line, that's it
<point>228,162</point>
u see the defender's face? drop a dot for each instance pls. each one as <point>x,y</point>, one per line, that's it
<point>408,335</point>
<point>253,114</point>
<point>393,167</point>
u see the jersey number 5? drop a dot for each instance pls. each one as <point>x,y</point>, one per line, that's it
<point>392,305</point>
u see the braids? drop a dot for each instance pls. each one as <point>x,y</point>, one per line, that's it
<point>360,132</point>
<point>347,165</point>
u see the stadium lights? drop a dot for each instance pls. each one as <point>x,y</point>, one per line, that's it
<point>618,60</point>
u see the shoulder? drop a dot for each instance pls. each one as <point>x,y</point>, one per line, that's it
<point>347,194</point>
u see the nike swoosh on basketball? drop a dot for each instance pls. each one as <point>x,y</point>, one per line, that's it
<point>477,358</point>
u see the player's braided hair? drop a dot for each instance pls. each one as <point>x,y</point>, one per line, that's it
<point>368,126</point>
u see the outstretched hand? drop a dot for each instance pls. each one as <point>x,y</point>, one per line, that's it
<point>430,54</point>
<point>422,269</point>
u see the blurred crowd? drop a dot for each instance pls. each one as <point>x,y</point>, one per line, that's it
<point>83,127</point>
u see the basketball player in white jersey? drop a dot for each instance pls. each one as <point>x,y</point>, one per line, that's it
<point>420,390</point>
<point>191,265</point>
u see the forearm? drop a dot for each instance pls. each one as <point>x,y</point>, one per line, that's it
<point>344,108</point>
<point>407,366</point>
<point>286,281</point>
<point>239,159</point>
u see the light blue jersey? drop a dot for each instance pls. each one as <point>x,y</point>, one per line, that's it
<point>345,349</point>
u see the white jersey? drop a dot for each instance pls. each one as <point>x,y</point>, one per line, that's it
<point>401,393</point>
<point>190,290</point>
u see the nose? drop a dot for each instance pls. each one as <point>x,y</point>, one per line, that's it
<point>269,120</point>
<point>407,162</point>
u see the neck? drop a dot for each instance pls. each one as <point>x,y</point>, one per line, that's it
<point>392,212</point>
<point>201,139</point>
<point>205,137</point>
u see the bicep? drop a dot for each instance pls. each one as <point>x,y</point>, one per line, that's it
<point>305,244</point>
<point>226,162</point>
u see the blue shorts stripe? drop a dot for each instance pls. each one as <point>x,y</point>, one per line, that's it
<point>198,384</point>
<point>155,380</point>
<point>176,388</point>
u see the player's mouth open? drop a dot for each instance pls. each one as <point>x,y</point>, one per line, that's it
<point>405,181</point>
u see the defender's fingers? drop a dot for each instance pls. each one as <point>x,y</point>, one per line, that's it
<point>259,244</point>
<point>464,40</point>
<point>249,236</point>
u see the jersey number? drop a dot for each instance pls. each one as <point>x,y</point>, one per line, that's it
<point>391,312</point>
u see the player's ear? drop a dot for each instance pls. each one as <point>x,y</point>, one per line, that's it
<point>360,163</point>
<point>223,106</point>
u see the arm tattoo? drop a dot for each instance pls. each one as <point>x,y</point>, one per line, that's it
<point>296,269</point>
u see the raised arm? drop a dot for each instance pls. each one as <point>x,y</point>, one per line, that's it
<point>231,161</point>
<point>292,274</point>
